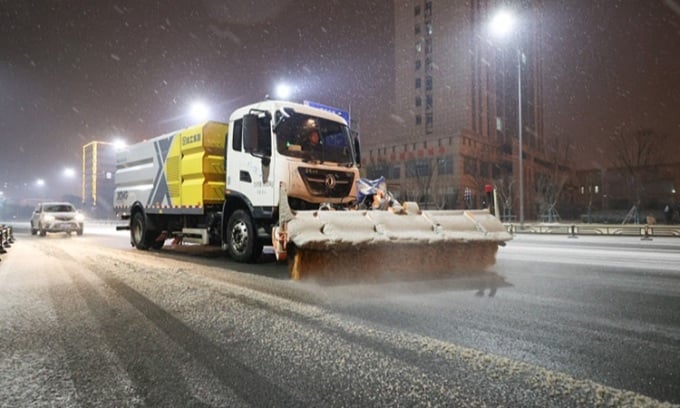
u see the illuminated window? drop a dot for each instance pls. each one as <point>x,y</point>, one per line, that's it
<point>583,189</point>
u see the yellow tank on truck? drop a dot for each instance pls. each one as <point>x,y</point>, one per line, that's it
<point>180,172</point>
<point>194,168</point>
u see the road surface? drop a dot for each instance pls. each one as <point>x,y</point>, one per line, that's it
<point>89,321</point>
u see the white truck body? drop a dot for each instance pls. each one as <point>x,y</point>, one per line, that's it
<point>221,182</point>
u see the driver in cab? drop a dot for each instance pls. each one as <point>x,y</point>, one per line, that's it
<point>311,140</point>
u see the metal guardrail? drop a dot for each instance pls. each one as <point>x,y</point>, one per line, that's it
<point>575,229</point>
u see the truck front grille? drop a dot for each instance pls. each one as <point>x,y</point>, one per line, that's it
<point>327,183</point>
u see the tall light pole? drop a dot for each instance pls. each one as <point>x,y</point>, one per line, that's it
<point>502,25</point>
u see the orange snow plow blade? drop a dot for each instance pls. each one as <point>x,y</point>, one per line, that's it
<point>375,244</point>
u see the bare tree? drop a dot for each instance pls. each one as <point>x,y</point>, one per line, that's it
<point>634,152</point>
<point>551,178</point>
<point>504,183</point>
<point>420,174</point>
<point>503,186</point>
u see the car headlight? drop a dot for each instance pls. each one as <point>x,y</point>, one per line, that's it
<point>80,217</point>
<point>48,218</point>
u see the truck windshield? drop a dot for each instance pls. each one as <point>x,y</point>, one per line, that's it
<point>314,139</point>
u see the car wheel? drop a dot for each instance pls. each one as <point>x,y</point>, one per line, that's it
<point>79,231</point>
<point>43,232</point>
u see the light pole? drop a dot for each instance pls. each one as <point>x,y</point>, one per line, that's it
<point>502,25</point>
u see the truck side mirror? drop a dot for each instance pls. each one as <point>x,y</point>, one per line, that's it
<point>250,133</point>
<point>257,138</point>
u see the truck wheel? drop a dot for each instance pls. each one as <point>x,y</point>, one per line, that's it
<point>42,231</point>
<point>242,242</point>
<point>33,230</point>
<point>79,231</point>
<point>139,235</point>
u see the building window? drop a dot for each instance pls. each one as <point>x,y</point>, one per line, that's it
<point>495,172</point>
<point>428,9</point>
<point>428,46</point>
<point>469,166</point>
<point>499,124</point>
<point>418,64</point>
<point>418,168</point>
<point>428,83</point>
<point>395,172</point>
<point>445,165</point>
<point>428,28</point>
<point>484,169</point>
<point>419,47</point>
<point>419,101</point>
<point>416,10</point>
<point>419,119</point>
<point>597,189</point>
<point>417,29</point>
<point>418,83</point>
<point>377,170</point>
<point>583,189</point>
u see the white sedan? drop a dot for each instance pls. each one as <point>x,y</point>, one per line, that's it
<point>56,217</point>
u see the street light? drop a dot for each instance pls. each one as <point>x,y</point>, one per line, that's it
<point>69,172</point>
<point>283,91</point>
<point>199,111</point>
<point>502,25</point>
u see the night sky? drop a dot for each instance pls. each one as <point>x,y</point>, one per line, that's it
<point>81,70</point>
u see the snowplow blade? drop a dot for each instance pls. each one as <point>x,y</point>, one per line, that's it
<point>377,245</point>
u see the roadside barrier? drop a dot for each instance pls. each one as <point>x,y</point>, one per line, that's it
<point>644,231</point>
<point>573,230</point>
<point>4,239</point>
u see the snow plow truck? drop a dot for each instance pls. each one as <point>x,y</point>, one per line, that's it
<point>286,175</point>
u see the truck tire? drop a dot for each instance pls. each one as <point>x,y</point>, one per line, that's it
<point>141,237</point>
<point>242,242</point>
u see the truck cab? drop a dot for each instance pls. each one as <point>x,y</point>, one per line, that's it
<point>271,143</point>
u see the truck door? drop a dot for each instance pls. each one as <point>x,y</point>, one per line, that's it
<point>249,165</point>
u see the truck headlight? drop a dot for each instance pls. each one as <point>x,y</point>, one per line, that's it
<point>80,217</point>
